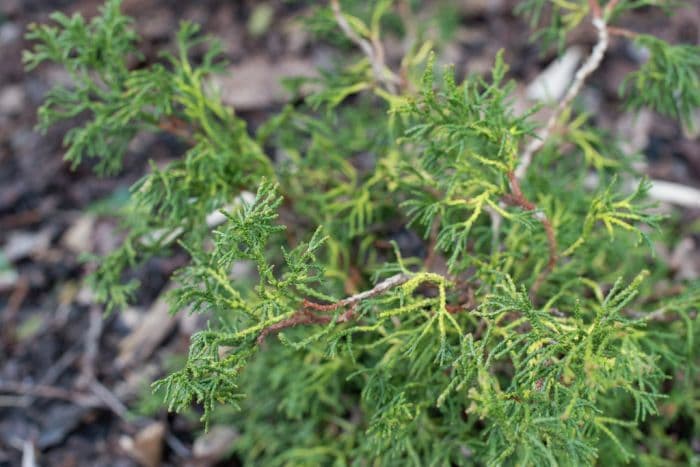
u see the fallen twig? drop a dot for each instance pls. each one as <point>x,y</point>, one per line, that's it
<point>92,344</point>
<point>109,399</point>
<point>8,316</point>
<point>50,392</point>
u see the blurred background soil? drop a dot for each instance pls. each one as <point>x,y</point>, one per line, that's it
<point>73,382</point>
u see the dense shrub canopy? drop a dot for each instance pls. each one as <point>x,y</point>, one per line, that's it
<point>444,289</point>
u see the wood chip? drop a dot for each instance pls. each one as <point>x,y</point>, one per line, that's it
<point>150,332</point>
<point>22,245</point>
<point>147,446</point>
<point>78,237</point>
<point>214,445</point>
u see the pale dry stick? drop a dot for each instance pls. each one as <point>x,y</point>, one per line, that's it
<point>589,66</point>
<point>409,40</point>
<point>109,399</point>
<point>385,285</point>
<point>373,50</point>
<point>214,219</point>
<point>675,193</point>
<point>29,453</point>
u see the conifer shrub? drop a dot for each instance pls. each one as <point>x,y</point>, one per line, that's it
<point>437,280</point>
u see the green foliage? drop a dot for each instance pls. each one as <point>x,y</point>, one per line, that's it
<point>554,19</point>
<point>669,81</point>
<point>411,300</point>
<point>468,138</point>
<point>95,55</point>
<point>168,202</point>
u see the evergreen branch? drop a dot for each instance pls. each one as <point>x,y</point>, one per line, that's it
<point>669,80</point>
<point>307,316</point>
<point>589,66</point>
<point>411,370</point>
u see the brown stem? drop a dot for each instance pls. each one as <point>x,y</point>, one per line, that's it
<point>177,127</point>
<point>622,32</point>
<point>517,198</point>
<point>432,244</point>
<point>307,314</point>
<point>610,7</point>
<point>303,316</point>
<point>663,315</point>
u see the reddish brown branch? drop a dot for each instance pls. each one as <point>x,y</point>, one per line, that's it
<point>622,32</point>
<point>432,244</point>
<point>307,315</point>
<point>177,127</point>
<point>518,199</point>
<point>467,301</point>
<point>303,316</point>
<point>595,8</point>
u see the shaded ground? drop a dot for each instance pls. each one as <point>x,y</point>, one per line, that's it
<point>72,382</point>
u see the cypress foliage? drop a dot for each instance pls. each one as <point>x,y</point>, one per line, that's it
<point>519,326</point>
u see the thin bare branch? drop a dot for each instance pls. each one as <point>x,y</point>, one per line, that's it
<point>609,8</point>
<point>432,244</point>
<point>50,392</point>
<point>385,285</point>
<point>307,314</point>
<point>517,198</point>
<point>92,347</point>
<point>622,32</point>
<point>589,66</point>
